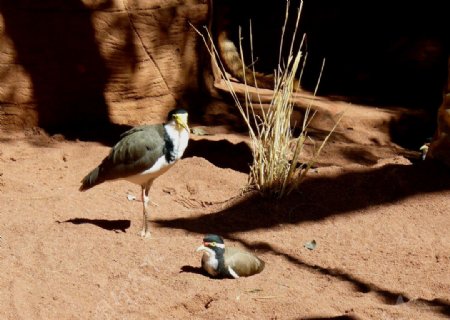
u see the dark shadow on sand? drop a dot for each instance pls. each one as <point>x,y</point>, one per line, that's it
<point>222,153</point>
<point>321,197</point>
<point>110,225</point>
<point>191,269</point>
<point>384,295</point>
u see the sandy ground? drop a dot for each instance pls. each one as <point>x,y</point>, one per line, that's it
<point>380,218</point>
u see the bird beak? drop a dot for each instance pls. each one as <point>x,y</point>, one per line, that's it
<point>201,248</point>
<point>181,120</point>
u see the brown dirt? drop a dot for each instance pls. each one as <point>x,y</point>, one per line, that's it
<point>381,221</point>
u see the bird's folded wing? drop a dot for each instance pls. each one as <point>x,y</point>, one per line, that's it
<point>137,151</point>
<point>242,262</point>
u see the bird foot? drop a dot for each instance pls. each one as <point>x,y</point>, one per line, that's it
<point>145,234</point>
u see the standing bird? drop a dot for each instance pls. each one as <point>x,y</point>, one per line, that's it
<point>142,154</point>
<point>223,262</point>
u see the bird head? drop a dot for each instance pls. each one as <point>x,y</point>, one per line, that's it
<point>180,117</point>
<point>212,244</point>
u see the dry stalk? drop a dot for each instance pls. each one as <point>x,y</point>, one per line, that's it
<point>274,171</point>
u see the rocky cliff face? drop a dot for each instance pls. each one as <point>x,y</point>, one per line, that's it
<point>89,63</point>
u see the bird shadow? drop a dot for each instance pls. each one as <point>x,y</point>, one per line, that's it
<point>200,271</point>
<point>191,269</point>
<point>111,225</point>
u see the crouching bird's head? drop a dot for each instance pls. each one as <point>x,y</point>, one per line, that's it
<point>212,245</point>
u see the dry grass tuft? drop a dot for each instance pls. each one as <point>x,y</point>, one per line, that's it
<point>276,170</point>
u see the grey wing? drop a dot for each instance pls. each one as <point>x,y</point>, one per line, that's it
<point>244,263</point>
<point>138,150</point>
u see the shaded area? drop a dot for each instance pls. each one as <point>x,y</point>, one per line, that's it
<point>384,295</point>
<point>360,155</point>
<point>375,52</point>
<point>191,269</point>
<point>357,190</point>
<point>55,43</point>
<point>111,225</point>
<point>412,131</point>
<point>107,134</point>
<point>222,154</point>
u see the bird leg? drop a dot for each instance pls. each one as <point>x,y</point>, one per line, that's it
<point>145,232</point>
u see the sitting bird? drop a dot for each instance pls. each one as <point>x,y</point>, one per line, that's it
<point>223,262</point>
<point>143,154</point>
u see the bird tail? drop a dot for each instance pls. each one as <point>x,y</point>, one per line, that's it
<point>90,180</point>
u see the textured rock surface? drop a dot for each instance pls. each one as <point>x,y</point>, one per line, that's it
<point>91,63</point>
<point>83,63</point>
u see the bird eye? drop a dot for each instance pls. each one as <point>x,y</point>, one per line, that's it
<point>213,244</point>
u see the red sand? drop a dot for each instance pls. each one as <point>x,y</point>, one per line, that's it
<point>381,222</point>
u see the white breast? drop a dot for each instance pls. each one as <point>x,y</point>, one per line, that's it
<point>210,263</point>
<point>180,139</point>
<point>161,165</point>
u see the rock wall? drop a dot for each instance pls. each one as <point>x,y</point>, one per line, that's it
<point>68,64</point>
